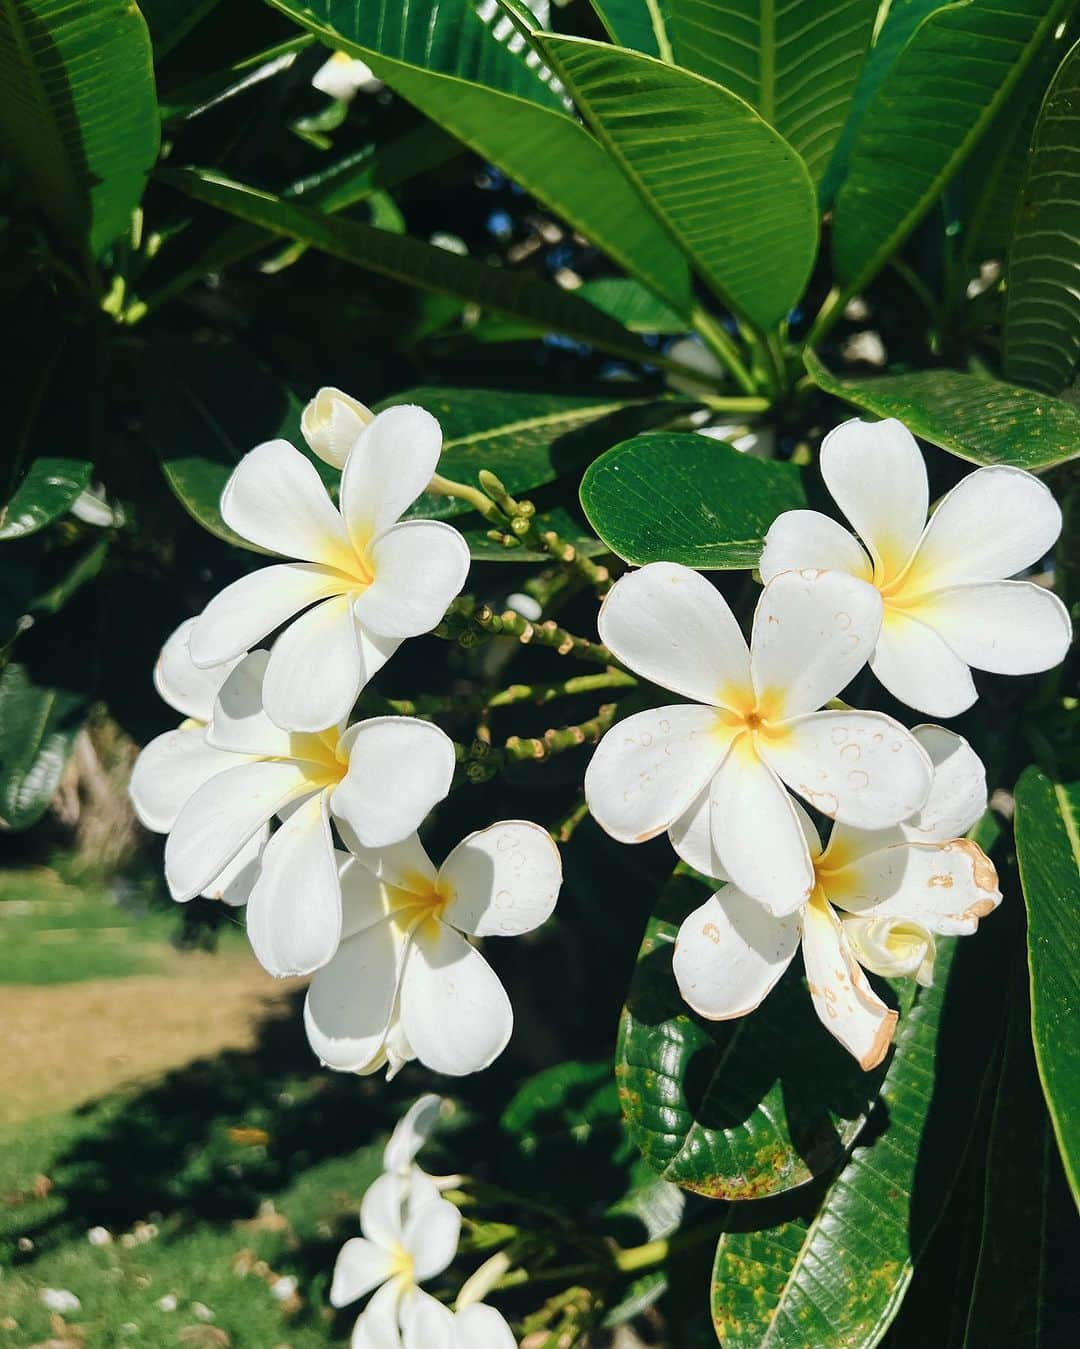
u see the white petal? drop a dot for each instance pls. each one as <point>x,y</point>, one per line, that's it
<point>404,865</point>
<point>431,1237</point>
<point>919,668</point>
<point>730,952</point>
<point>895,948</point>
<point>691,837</point>
<point>390,464</point>
<point>313,676</point>
<point>351,1000</point>
<point>377,1325</point>
<point>757,834</point>
<point>364,899</point>
<point>222,816</point>
<point>454,1010</point>
<point>862,768</point>
<point>275,498</point>
<point>649,768</point>
<point>482,1327</point>
<point>360,1267</point>
<point>877,477</point>
<point>411,1132</point>
<point>182,683</point>
<point>244,612</point>
<point>993,524</point>
<point>425,1322</point>
<point>813,633</point>
<point>399,769</point>
<point>332,420</point>
<point>670,625</point>
<point>847,1005</point>
<point>958,792</point>
<point>502,880</point>
<point>398,1050</point>
<point>382,1210</point>
<point>419,567</point>
<point>1006,627</point>
<point>807,539</point>
<point>234,883</point>
<point>294,912</point>
<point>947,887</point>
<point>169,770</point>
<point>240,723</point>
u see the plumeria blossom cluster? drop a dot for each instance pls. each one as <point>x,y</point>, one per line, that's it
<point>272,798</point>
<point>410,1236</point>
<point>724,774</point>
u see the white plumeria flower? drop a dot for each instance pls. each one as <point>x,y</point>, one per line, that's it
<point>343,77</point>
<point>331,423</point>
<point>365,581</point>
<point>174,765</point>
<point>712,772</point>
<point>893,889</point>
<point>948,603</point>
<point>378,779</point>
<point>404,961</point>
<point>410,1235</point>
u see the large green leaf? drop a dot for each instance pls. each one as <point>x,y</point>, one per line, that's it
<point>938,97</point>
<point>527,439</point>
<point>732,1109</point>
<point>1042,309</point>
<point>1017,1293</point>
<point>641,25</point>
<point>683,497</point>
<point>732,193</point>
<point>984,420</point>
<point>38,727</point>
<point>78,116</point>
<point>797,63</point>
<point>835,1276</point>
<point>443,59</point>
<point>414,263</point>
<point>1048,850</point>
<point>204,407</point>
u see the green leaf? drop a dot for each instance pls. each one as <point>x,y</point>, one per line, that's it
<point>412,262</point>
<point>630,303</point>
<point>38,727</point>
<point>1009,1291</point>
<point>836,1276</point>
<point>204,407</point>
<point>78,117</point>
<point>732,1109</point>
<point>444,60</point>
<point>526,439</point>
<point>641,25</point>
<point>681,497</point>
<point>48,490</point>
<point>939,96</point>
<point>983,420</point>
<point>796,63</point>
<point>731,192</point>
<point>210,91</point>
<point>1048,851</point>
<point>1042,307</point>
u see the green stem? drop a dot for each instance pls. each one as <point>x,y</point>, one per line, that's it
<point>465,615</point>
<point>738,405</point>
<point>446,487</point>
<point>832,307</point>
<point>917,284</point>
<point>565,688</point>
<point>723,348</point>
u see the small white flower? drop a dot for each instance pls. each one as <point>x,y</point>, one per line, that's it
<point>365,581</point>
<point>948,603</point>
<point>878,900</point>
<point>344,76</point>
<point>404,962</point>
<point>378,778</point>
<point>712,772</point>
<point>330,424</point>
<point>174,765</point>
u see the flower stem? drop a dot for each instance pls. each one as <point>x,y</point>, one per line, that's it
<point>465,616</point>
<point>447,487</point>
<point>723,348</point>
<point>545,693</point>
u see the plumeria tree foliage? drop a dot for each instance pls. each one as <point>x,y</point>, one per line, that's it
<point>624,449</point>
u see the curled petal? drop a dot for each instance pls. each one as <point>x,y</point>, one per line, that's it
<point>848,1007</point>
<point>331,421</point>
<point>895,948</point>
<point>411,1132</point>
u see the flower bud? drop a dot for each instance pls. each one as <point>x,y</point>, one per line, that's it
<point>892,947</point>
<point>330,424</point>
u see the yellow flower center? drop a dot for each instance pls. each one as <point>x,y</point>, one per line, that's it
<point>322,753</point>
<point>750,717</point>
<point>418,901</point>
<point>401,1264</point>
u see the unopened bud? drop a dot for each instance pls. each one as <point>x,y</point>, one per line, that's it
<point>330,424</point>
